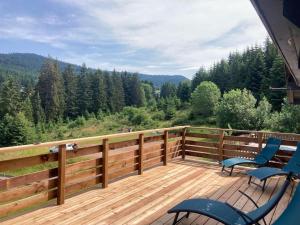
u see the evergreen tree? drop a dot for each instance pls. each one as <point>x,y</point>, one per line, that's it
<point>184,91</point>
<point>70,84</point>
<point>38,113</point>
<point>118,96</point>
<point>10,98</point>
<point>277,74</point>
<point>84,102</point>
<point>200,76</point>
<point>168,90</point>
<point>99,96</point>
<point>50,88</point>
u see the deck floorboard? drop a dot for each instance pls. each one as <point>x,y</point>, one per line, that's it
<point>145,199</point>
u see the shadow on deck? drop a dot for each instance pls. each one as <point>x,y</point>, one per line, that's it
<point>145,199</point>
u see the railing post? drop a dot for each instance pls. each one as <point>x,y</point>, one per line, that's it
<point>166,137</point>
<point>61,174</point>
<point>105,163</point>
<point>221,143</point>
<point>141,152</point>
<point>259,140</point>
<point>183,143</point>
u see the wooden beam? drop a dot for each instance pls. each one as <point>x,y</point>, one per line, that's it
<point>221,143</point>
<point>141,152</point>
<point>105,163</point>
<point>183,142</point>
<point>259,140</point>
<point>61,174</point>
<point>166,137</point>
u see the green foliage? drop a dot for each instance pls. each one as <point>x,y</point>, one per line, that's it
<point>237,108</point>
<point>255,69</point>
<point>288,120</point>
<point>136,116</point>
<point>263,113</point>
<point>15,130</point>
<point>205,99</point>
<point>184,91</point>
<point>10,98</point>
<point>50,88</point>
<point>168,90</point>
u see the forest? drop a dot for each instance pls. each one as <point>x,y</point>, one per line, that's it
<point>66,102</point>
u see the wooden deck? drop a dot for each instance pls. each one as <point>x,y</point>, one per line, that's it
<point>145,199</point>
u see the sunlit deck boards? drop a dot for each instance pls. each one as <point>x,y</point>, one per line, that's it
<point>144,199</point>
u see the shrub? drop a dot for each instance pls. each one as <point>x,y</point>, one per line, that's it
<point>205,99</point>
<point>237,108</point>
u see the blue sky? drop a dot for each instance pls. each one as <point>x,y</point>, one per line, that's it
<point>147,36</point>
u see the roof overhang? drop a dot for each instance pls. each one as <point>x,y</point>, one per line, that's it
<point>282,21</point>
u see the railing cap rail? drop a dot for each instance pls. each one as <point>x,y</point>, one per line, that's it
<point>53,143</point>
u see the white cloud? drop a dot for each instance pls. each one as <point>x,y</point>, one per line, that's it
<point>188,32</point>
<point>182,35</point>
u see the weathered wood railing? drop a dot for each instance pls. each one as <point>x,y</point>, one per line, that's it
<point>57,175</point>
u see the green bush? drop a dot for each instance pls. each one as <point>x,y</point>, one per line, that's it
<point>288,120</point>
<point>205,99</point>
<point>237,108</point>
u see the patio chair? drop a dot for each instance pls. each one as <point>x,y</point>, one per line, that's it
<point>224,212</point>
<point>290,216</point>
<point>261,159</point>
<point>263,173</point>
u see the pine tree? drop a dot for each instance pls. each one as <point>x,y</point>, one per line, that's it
<point>118,96</point>
<point>70,83</point>
<point>184,91</point>
<point>168,90</point>
<point>200,76</point>
<point>98,88</point>
<point>83,91</point>
<point>38,113</point>
<point>10,98</point>
<point>50,88</point>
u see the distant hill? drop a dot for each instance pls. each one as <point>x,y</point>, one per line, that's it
<point>29,63</point>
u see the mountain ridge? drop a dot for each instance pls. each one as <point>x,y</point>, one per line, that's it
<point>30,63</point>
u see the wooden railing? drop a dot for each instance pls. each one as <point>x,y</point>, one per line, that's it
<point>57,175</point>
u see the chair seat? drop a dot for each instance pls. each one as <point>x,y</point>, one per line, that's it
<point>236,161</point>
<point>263,173</point>
<point>214,209</point>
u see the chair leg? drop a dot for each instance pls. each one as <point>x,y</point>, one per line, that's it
<point>249,181</point>
<point>187,215</point>
<point>176,218</point>
<point>231,171</point>
<point>264,185</point>
<point>223,167</point>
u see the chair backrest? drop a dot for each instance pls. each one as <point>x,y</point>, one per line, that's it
<point>262,211</point>
<point>290,216</point>
<point>293,166</point>
<point>269,151</point>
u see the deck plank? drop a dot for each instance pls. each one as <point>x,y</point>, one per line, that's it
<point>145,199</point>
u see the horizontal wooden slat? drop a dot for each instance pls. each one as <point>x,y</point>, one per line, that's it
<point>122,144</point>
<point>240,147</point>
<point>202,155</point>
<point>83,165</point>
<point>208,136</point>
<point>154,154</point>
<point>27,179</point>
<point>233,153</point>
<point>84,184</point>
<point>84,151</point>
<point>24,203</point>
<point>82,175</point>
<point>122,164</point>
<point>123,172</point>
<point>18,163</point>
<point>202,143</point>
<point>27,190</point>
<point>240,138</point>
<point>153,161</point>
<point>201,149</point>
<point>123,155</point>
